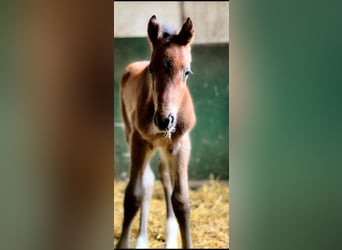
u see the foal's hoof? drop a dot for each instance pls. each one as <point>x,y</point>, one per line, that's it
<point>171,245</point>
<point>142,242</point>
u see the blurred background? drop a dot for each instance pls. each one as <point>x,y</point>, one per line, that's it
<point>285,117</point>
<point>56,128</point>
<point>209,85</point>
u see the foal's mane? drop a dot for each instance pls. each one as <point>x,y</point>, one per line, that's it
<point>169,34</point>
<point>168,31</point>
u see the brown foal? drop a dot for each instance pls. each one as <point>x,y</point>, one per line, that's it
<point>158,114</point>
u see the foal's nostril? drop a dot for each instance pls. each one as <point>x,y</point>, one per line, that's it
<point>164,123</point>
<point>157,119</point>
<point>171,119</point>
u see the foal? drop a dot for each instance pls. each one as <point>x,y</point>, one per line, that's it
<point>158,113</point>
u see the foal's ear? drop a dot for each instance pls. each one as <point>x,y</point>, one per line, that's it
<point>186,34</point>
<point>153,30</point>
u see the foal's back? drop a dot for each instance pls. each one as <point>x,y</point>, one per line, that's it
<point>133,76</point>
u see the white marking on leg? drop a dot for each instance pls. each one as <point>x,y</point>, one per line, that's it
<point>171,232</point>
<point>147,183</point>
<point>171,223</point>
<point>142,242</point>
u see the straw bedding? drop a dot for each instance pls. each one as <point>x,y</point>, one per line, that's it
<point>209,215</point>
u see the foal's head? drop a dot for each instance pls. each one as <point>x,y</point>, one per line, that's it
<point>169,67</point>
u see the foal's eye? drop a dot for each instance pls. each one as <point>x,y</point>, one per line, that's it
<point>187,72</point>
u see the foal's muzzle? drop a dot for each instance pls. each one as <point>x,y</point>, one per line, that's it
<point>165,123</point>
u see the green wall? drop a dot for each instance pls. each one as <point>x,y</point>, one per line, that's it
<point>209,88</point>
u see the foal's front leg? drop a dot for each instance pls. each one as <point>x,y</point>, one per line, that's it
<point>171,222</point>
<point>180,196</point>
<point>138,191</point>
<point>147,183</point>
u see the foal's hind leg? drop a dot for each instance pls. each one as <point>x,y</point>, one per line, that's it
<point>147,183</point>
<point>171,223</point>
<point>134,195</point>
